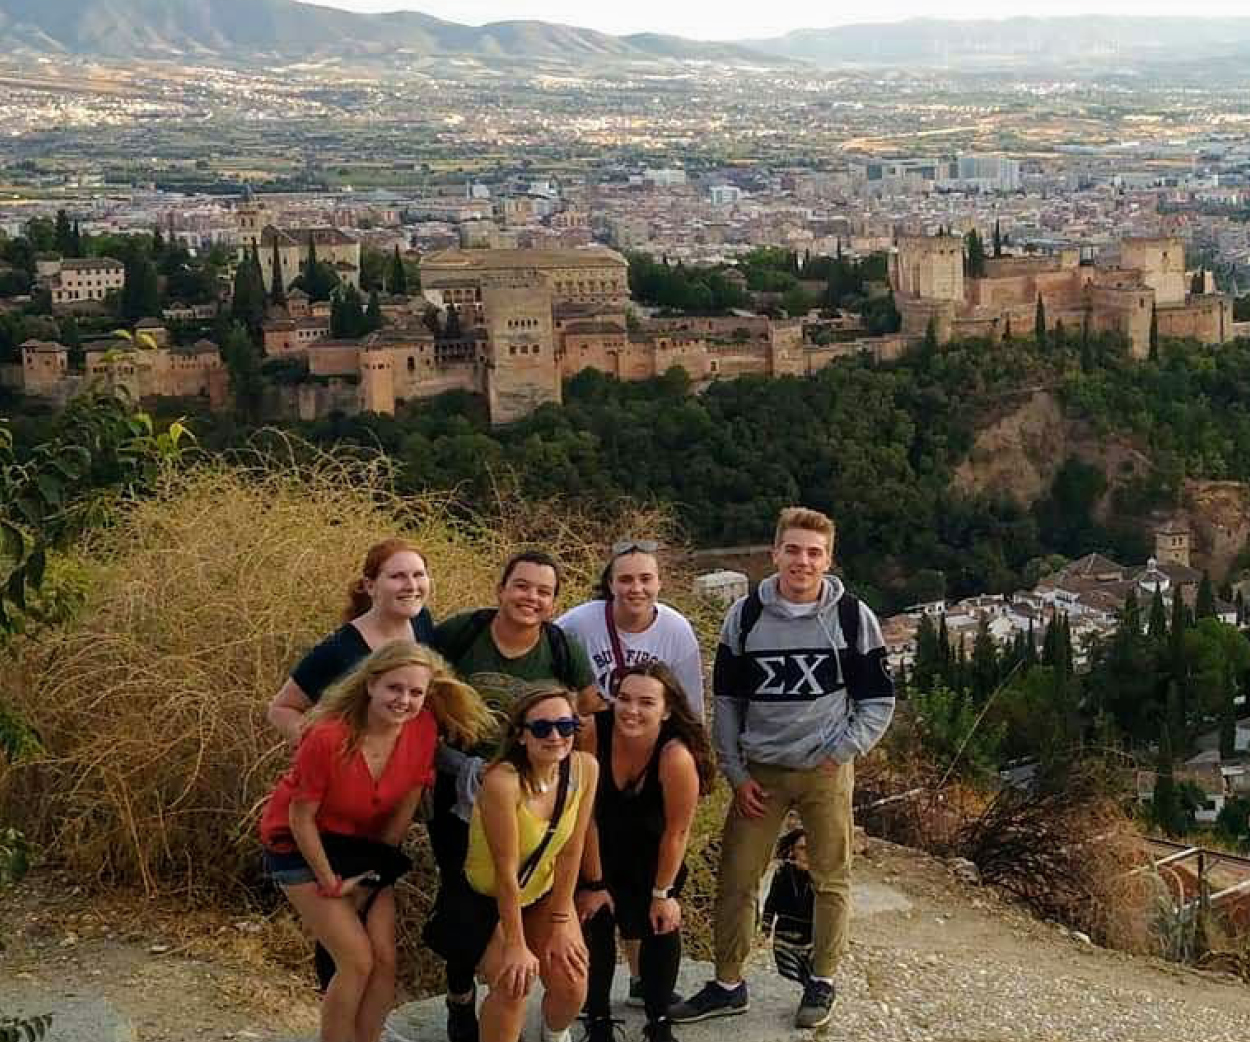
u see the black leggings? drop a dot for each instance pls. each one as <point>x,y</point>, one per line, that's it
<point>449,839</point>
<point>659,959</point>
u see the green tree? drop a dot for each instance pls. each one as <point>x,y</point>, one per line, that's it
<point>1165,810</point>
<point>64,235</point>
<point>947,723</point>
<point>1204,604</point>
<point>243,365</point>
<point>928,665</point>
<point>247,306</point>
<point>373,313</point>
<point>277,292</point>
<point>141,295</point>
<point>397,280</point>
<point>1153,353</point>
<point>1039,323</point>
<point>998,239</point>
<point>974,255</point>
<point>984,665</point>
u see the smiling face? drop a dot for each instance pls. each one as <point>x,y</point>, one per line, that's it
<point>401,585</point>
<point>640,707</point>
<point>802,557</point>
<point>552,747</point>
<point>635,585</point>
<point>528,596</point>
<point>398,695</point>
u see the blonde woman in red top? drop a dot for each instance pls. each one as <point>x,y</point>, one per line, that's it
<point>367,754</point>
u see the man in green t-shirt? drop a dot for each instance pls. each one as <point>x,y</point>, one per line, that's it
<point>500,651</point>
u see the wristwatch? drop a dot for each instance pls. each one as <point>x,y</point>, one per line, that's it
<point>662,893</point>
<point>593,885</point>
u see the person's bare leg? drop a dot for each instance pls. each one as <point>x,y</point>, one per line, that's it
<point>335,922</point>
<point>379,996</point>
<point>501,1017</point>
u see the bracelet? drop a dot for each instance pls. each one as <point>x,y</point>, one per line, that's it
<point>560,917</point>
<point>662,893</point>
<point>593,885</point>
<point>332,891</point>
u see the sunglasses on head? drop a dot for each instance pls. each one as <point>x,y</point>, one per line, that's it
<point>629,546</point>
<point>564,726</point>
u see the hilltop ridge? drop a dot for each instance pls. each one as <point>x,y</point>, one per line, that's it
<point>242,30</point>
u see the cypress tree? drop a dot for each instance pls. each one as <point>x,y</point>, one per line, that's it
<point>1154,334</point>
<point>930,338</point>
<point>373,313</point>
<point>1204,605</point>
<point>983,674</point>
<point>277,292</point>
<point>1157,630</point>
<point>1228,713</point>
<point>76,241</point>
<point>398,281</point>
<point>945,657</point>
<point>1030,649</point>
<point>1166,806</point>
<point>1039,323</point>
<point>998,239</point>
<point>63,234</point>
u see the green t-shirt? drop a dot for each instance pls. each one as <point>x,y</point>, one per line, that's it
<point>499,679</point>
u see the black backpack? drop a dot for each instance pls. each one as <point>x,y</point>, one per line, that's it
<point>557,640</point>
<point>848,619</point>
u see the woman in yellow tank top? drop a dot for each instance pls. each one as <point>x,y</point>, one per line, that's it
<point>536,933</point>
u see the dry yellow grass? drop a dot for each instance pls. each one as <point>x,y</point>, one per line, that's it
<point>151,702</point>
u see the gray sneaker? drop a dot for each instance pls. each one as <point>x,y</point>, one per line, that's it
<point>711,1001</point>
<point>817,1004</point>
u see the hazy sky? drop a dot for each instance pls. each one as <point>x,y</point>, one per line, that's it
<point>737,19</point>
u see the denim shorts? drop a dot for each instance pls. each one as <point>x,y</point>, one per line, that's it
<point>288,869</point>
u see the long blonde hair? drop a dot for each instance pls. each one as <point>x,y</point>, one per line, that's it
<point>461,714</point>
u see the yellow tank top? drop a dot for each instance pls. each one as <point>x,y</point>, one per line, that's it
<point>479,866</point>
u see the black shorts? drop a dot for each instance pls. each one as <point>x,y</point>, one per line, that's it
<point>461,923</point>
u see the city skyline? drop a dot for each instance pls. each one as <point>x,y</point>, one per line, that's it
<point>703,20</point>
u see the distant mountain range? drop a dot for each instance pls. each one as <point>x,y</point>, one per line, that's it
<point>250,30</point>
<point>244,30</point>
<point>1097,39</point>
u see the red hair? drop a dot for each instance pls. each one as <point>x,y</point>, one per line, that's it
<point>358,599</point>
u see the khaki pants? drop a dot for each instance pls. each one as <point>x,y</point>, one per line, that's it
<point>823,800</point>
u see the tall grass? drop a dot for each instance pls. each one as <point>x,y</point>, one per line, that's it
<point>156,755</point>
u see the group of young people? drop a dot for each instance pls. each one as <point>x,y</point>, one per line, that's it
<point>558,766</point>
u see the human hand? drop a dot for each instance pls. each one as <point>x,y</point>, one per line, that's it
<point>751,799</point>
<point>590,903</point>
<point>518,969</point>
<point>665,914</point>
<point>566,948</point>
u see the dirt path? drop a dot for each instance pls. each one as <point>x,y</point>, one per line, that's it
<point>931,959</point>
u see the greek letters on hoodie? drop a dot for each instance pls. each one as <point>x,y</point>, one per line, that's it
<point>796,695</point>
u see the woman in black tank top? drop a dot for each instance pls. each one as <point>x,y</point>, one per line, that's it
<point>654,759</point>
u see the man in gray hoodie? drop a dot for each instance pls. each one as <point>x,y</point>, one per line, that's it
<point>801,688</point>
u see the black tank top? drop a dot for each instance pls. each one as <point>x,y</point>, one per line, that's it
<point>630,820</point>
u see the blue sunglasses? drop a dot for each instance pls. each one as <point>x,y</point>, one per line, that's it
<point>565,727</point>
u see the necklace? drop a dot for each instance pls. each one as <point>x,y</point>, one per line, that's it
<point>543,785</point>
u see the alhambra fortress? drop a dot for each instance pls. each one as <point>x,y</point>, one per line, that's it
<point>514,323</point>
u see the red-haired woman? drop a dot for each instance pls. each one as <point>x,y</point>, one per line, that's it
<point>386,603</point>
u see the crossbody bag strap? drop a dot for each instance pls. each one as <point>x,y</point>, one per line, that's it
<point>557,812</point>
<point>618,653</point>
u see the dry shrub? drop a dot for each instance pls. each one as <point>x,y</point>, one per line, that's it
<point>1067,851</point>
<point>151,702</point>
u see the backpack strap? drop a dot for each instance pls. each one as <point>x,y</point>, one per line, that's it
<point>561,654</point>
<point>848,620</point>
<point>478,621</point>
<point>752,608</point>
<point>526,871</point>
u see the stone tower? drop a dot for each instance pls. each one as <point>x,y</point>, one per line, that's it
<point>521,368</point>
<point>928,267</point>
<point>1162,264</point>
<point>377,380</point>
<point>1172,543</point>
